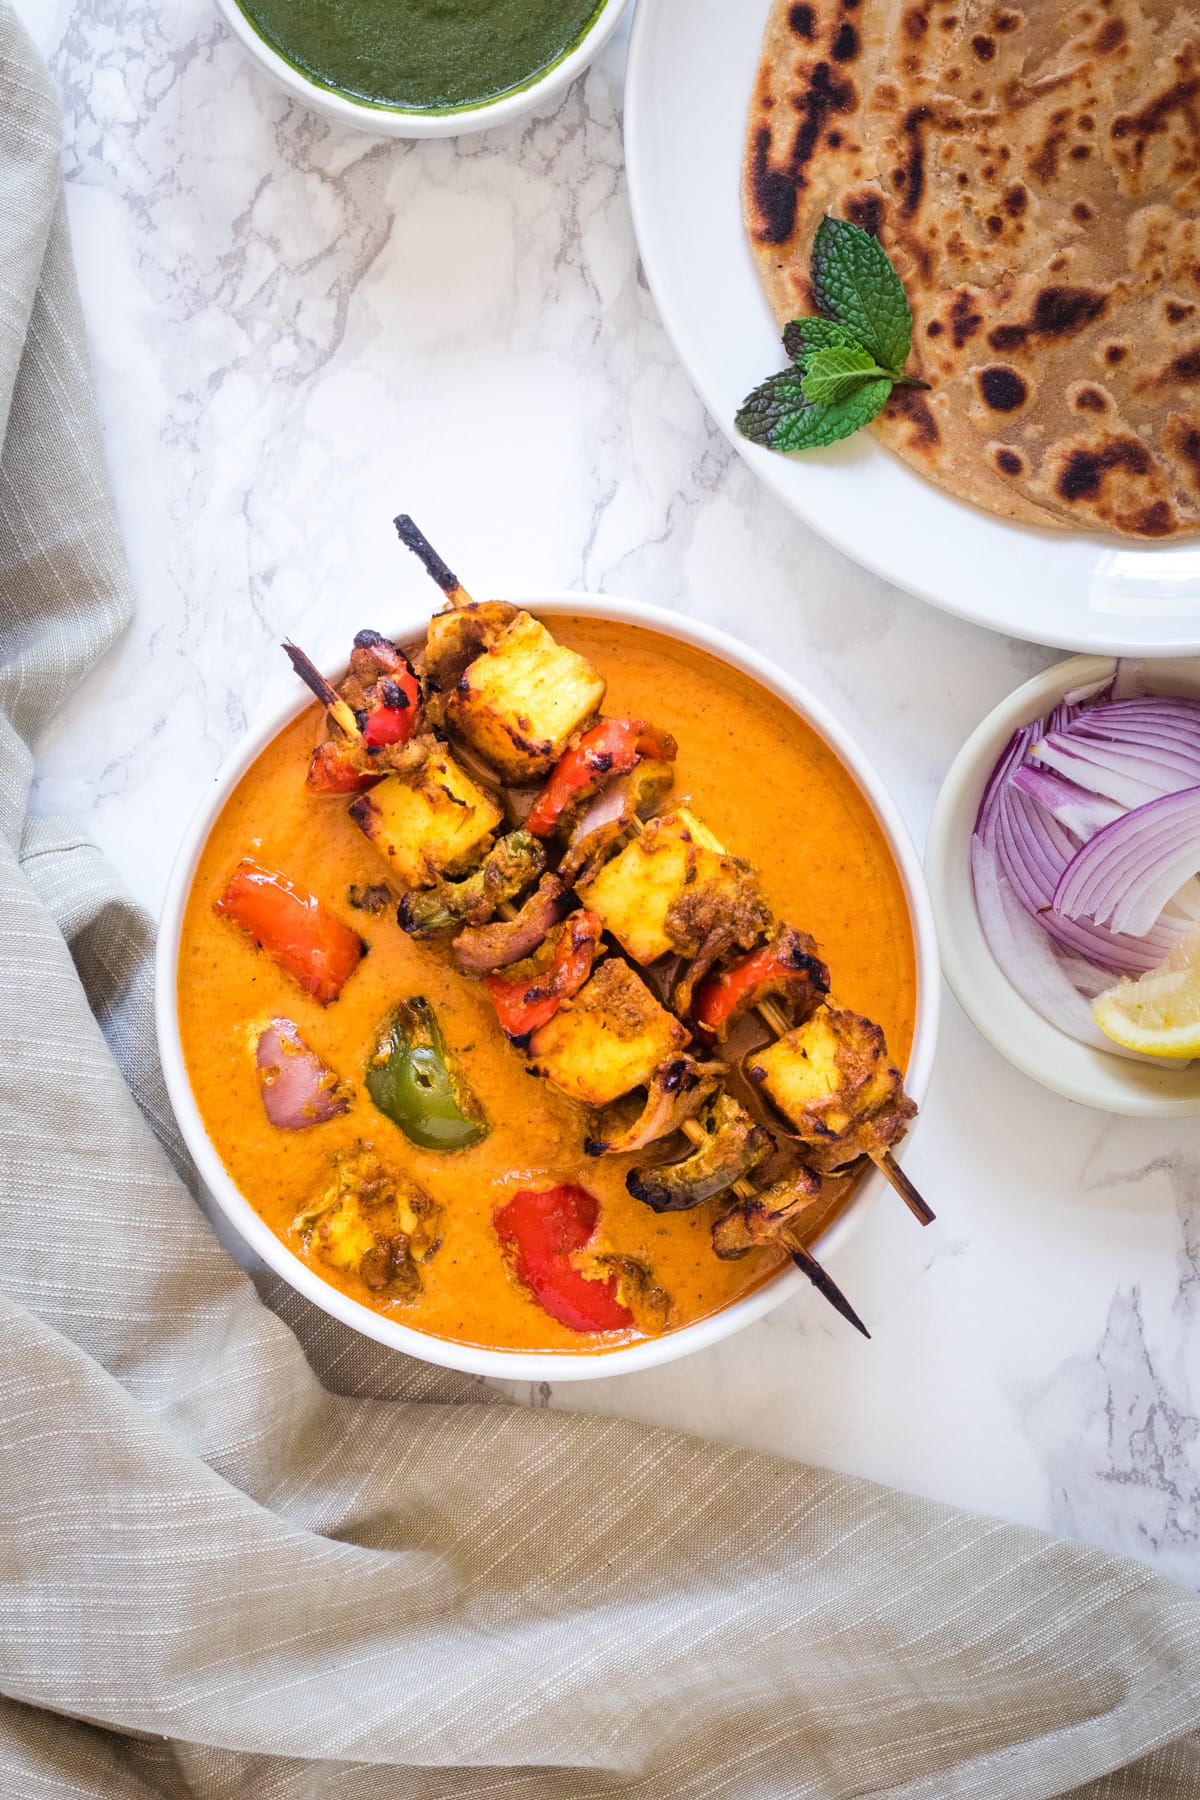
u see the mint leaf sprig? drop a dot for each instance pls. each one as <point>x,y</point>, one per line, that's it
<point>846,362</point>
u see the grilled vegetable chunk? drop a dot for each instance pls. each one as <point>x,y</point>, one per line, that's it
<point>520,699</point>
<point>515,863</point>
<point>675,889</point>
<point>611,1037</point>
<point>433,823</point>
<point>832,1080</point>
<point>370,1222</point>
<point>732,1145</point>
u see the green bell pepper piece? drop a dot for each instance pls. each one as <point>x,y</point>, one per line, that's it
<point>412,1082</point>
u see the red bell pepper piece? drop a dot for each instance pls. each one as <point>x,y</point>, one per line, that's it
<point>300,934</point>
<point>788,966</point>
<point>392,716</point>
<point>332,770</point>
<point>610,748</point>
<point>523,1006</point>
<point>540,1231</point>
<point>720,995</point>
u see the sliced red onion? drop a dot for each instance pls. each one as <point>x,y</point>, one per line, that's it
<point>297,1089</point>
<point>1125,875</point>
<point>1033,851</point>
<point>1104,769</point>
<point>1081,812</point>
<point>1028,956</point>
<point>1087,846</point>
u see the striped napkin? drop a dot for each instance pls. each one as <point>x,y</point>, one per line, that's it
<point>246,1553</point>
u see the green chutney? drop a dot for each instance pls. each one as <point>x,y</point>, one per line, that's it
<point>422,55</point>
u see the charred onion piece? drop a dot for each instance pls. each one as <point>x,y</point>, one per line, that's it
<point>617,810</point>
<point>787,969</point>
<point>524,1001</point>
<point>733,1146</point>
<point>765,1219</point>
<point>510,866</point>
<point>297,1088</point>
<point>482,948</point>
<point>677,1091</point>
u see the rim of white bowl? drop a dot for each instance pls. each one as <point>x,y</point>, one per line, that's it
<point>1091,1077</point>
<point>556,1365</point>
<point>399,121</point>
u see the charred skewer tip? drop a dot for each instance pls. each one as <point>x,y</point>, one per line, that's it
<point>825,1286</point>
<point>338,709</point>
<point>414,539</point>
<point>824,1283</point>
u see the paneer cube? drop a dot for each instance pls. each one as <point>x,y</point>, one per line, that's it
<point>667,888</point>
<point>828,1075</point>
<point>434,822</point>
<point>608,1040</point>
<point>521,698</point>
<point>370,1222</point>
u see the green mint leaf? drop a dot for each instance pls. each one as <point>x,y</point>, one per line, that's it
<point>818,425</point>
<point>832,375</point>
<point>856,285</point>
<point>771,405</point>
<point>802,336</point>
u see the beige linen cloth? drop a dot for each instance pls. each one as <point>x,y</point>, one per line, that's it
<point>244,1553</point>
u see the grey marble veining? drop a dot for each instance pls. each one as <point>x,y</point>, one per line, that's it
<point>296,332</point>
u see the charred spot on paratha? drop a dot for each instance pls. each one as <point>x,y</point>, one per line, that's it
<point>1002,388</point>
<point>1041,205</point>
<point>1087,398</point>
<point>1181,438</point>
<point>908,404</point>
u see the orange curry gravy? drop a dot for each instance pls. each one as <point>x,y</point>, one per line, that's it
<point>771,791</point>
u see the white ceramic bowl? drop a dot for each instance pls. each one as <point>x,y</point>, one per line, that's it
<point>560,1365</point>
<point>1114,1084</point>
<point>398,121</point>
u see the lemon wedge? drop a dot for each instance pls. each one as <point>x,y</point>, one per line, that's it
<point>1159,1013</point>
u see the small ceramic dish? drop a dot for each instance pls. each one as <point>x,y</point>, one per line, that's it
<point>1114,1084</point>
<point>398,121</point>
<point>537,1365</point>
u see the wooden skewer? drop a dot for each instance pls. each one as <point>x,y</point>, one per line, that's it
<point>339,710</point>
<point>824,1283</point>
<point>414,539</point>
<point>884,1161</point>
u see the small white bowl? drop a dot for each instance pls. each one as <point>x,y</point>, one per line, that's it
<point>399,121</point>
<point>559,1365</point>
<point>1113,1084</point>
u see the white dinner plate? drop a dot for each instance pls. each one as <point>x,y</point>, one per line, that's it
<point>691,65</point>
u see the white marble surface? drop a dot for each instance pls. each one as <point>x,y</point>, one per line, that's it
<point>296,333</point>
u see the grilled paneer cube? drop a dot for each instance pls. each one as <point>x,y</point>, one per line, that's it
<point>674,887</point>
<point>435,822</point>
<point>520,699</point>
<point>610,1038</point>
<point>832,1080</point>
<point>370,1221</point>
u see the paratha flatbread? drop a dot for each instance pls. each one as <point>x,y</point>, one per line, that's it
<point>1034,174</point>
